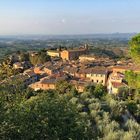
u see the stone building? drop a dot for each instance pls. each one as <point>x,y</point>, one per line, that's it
<point>73,54</point>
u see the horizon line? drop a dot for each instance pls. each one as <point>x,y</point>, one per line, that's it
<point>75,34</point>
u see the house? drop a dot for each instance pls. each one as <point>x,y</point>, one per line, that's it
<point>50,70</point>
<point>115,81</point>
<point>43,84</point>
<point>93,74</point>
<point>97,75</point>
<point>113,87</point>
<point>32,77</point>
<point>48,82</point>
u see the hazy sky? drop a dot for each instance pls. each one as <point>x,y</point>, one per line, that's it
<point>69,16</point>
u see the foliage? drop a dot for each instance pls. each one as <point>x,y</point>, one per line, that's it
<point>123,92</point>
<point>39,58</point>
<point>45,116</point>
<point>6,70</point>
<point>63,87</point>
<point>135,48</point>
<point>63,114</point>
<point>133,79</point>
<point>99,91</point>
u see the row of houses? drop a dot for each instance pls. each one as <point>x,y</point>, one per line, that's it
<point>26,78</point>
<point>78,73</point>
<point>113,78</point>
<point>87,70</point>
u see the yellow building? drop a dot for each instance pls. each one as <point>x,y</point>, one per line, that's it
<point>115,81</point>
<point>97,75</point>
<point>113,87</point>
<point>53,53</point>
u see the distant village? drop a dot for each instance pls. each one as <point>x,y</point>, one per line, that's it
<point>76,66</point>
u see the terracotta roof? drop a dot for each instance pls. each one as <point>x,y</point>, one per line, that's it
<point>70,69</point>
<point>117,84</point>
<point>133,67</point>
<point>53,79</point>
<point>96,70</point>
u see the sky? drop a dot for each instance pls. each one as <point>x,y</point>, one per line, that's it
<point>51,17</point>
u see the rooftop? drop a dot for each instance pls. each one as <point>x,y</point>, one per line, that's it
<point>117,84</point>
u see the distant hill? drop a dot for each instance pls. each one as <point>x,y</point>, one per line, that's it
<point>65,37</point>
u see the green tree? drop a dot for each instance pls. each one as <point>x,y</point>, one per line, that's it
<point>63,87</point>
<point>133,80</point>
<point>39,58</point>
<point>45,116</point>
<point>134,128</point>
<point>123,92</point>
<point>135,48</point>
<point>99,91</point>
<point>89,88</point>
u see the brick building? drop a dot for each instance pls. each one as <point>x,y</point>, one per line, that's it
<point>73,54</point>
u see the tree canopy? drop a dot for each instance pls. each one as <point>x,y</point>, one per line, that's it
<point>135,48</point>
<point>40,58</point>
<point>65,114</point>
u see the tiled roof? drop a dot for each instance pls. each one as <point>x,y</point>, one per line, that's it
<point>133,67</point>
<point>70,69</point>
<point>117,84</point>
<point>94,70</point>
<point>53,79</point>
